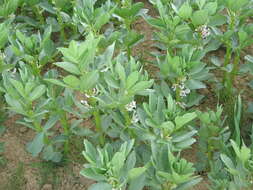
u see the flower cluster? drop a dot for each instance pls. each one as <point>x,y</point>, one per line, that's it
<point>131,107</point>
<point>92,94</point>
<point>86,104</point>
<point>204,30</point>
<point>181,86</point>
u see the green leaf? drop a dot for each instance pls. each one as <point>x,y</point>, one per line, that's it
<point>70,67</point>
<point>137,183</point>
<point>111,81</point>
<point>92,174</point>
<point>51,122</point>
<point>140,86</point>
<point>102,20</point>
<point>72,81</point>
<point>136,172</point>
<point>4,34</point>
<point>90,152</point>
<point>121,72</point>
<point>249,58</point>
<point>185,144</point>
<point>186,118</point>
<point>227,161</point>
<point>132,79</point>
<point>217,20</point>
<point>188,185</point>
<point>211,7</point>
<point>36,145</point>
<point>89,80</point>
<point>132,38</point>
<point>56,82</point>
<point>180,138</point>
<point>200,17</point>
<point>100,186</point>
<point>18,86</point>
<point>195,84</point>
<point>37,92</point>
<point>118,161</point>
<point>185,11</point>
<point>50,155</point>
<point>236,5</point>
<point>15,105</point>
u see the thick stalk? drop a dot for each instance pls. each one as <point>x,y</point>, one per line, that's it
<point>97,117</point>
<point>39,129</point>
<point>209,155</point>
<point>128,52</point>
<point>235,66</point>
<point>37,12</point>
<point>60,20</point>
<point>128,121</point>
<point>65,126</point>
<point>226,79</point>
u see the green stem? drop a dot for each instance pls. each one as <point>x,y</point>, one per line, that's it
<point>38,14</point>
<point>39,129</point>
<point>66,130</point>
<point>126,116</point>
<point>128,52</point>
<point>235,66</point>
<point>128,121</point>
<point>209,156</point>
<point>37,126</point>
<point>60,20</point>
<point>97,117</point>
<point>178,98</point>
<point>226,79</point>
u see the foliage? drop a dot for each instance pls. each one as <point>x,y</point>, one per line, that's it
<point>69,70</point>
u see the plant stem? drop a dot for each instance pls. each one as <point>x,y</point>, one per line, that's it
<point>235,66</point>
<point>38,14</point>
<point>226,79</point>
<point>128,52</point>
<point>39,129</point>
<point>60,20</point>
<point>37,126</point>
<point>128,121</point>
<point>97,117</point>
<point>65,125</point>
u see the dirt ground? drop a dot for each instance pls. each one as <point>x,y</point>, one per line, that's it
<point>23,172</point>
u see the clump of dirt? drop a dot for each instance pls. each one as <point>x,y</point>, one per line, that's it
<point>32,173</point>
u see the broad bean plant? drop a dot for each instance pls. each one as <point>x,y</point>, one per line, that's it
<point>69,71</point>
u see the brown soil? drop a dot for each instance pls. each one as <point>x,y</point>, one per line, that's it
<point>15,138</point>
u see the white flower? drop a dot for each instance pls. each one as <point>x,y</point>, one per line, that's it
<point>131,106</point>
<point>104,69</point>
<point>181,86</point>
<point>204,31</point>
<point>182,93</point>
<point>174,87</point>
<point>94,93</point>
<point>85,103</point>
<point>187,91</point>
<point>87,95</point>
<point>135,118</point>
